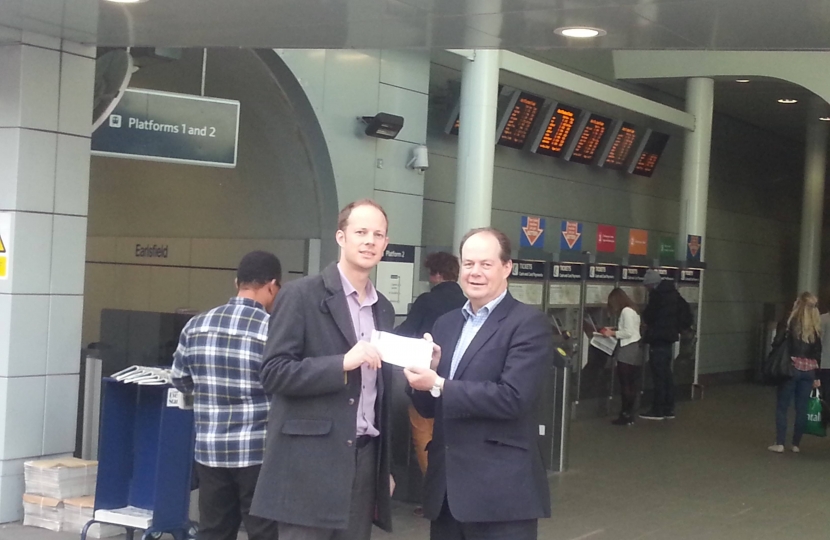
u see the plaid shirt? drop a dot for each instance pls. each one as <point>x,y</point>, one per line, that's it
<point>218,360</point>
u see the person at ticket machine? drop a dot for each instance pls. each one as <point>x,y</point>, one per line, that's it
<point>628,356</point>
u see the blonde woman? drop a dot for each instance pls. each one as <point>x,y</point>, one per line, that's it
<point>803,331</point>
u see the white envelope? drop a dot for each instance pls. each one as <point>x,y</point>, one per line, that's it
<point>402,351</point>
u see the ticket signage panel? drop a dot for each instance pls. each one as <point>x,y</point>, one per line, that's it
<point>602,272</point>
<point>566,271</point>
<point>690,275</point>
<point>178,128</point>
<point>606,239</point>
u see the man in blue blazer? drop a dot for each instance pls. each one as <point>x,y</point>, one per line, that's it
<point>485,478</point>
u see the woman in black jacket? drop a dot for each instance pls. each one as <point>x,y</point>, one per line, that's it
<point>803,331</point>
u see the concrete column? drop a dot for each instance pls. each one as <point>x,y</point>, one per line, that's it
<point>694,195</point>
<point>813,202</point>
<point>45,121</point>
<point>476,143</point>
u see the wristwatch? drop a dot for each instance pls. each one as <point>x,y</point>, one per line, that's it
<point>435,391</point>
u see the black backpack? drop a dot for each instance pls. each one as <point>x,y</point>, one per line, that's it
<point>685,320</point>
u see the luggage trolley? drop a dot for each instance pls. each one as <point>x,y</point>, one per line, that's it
<point>145,460</point>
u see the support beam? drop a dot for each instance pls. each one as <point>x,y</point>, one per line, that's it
<point>539,71</point>
<point>694,191</point>
<point>476,143</point>
<point>813,203</point>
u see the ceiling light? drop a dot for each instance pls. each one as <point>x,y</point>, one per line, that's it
<point>580,32</point>
<point>825,118</point>
<point>787,101</point>
<point>742,80</point>
<point>127,1</point>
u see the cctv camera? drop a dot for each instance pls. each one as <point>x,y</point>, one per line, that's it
<point>420,158</point>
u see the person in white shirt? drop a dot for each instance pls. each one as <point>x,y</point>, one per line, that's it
<point>628,356</point>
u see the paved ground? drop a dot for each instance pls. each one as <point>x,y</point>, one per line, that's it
<point>705,476</point>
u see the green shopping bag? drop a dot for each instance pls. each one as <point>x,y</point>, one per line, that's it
<point>814,424</point>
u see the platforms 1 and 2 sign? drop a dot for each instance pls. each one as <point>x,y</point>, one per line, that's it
<point>178,128</point>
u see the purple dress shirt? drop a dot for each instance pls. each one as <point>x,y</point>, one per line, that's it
<point>363,322</point>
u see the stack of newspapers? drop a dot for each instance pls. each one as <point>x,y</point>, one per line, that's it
<point>50,484</point>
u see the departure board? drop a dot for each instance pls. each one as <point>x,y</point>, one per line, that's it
<point>622,147</point>
<point>519,120</point>
<point>594,134</point>
<point>652,150</point>
<point>558,131</point>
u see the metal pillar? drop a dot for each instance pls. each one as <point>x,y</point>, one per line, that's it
<point>695,188</point>
<point>813,202</point>
<point>476,143</point>
<point>694,194</point>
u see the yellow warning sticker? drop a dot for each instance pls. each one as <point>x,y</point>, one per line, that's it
<point>2,245</point>
<point>5,244</point>
<point>3,267</point>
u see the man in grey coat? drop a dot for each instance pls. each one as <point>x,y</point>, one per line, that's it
<point>325,474</point>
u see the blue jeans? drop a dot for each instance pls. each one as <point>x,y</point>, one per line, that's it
<point>799,386</point>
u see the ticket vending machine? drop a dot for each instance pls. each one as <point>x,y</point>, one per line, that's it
<point>564,308</point>
<point>686,365</point>
<point>595,379</point>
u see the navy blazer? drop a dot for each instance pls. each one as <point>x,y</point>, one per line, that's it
<point>484,455</point>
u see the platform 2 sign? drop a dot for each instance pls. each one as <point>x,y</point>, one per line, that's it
<point>178,128</point>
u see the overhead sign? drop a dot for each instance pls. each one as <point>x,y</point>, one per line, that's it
<point>603,272</point>
<point>634,273</point>
<point>571,237</point>
<point>5,244</point>
<point>534,270</point>
<point>606,239</point>
<point>638,242</point>
<point>178,128</point>
<point>667,248</point>
<point>566,271</point>
<point>694,245</point>
<point>691,275</point>
<point>533,232</point>
<point>399,253</point>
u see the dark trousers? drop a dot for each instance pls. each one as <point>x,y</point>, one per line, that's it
<point>629,377</point>
<point>660,357</point>
<point>824,377</point>
<point>799,386</point>
<point>361,512</point>
<point>446,527</point>
<point>225,502</point>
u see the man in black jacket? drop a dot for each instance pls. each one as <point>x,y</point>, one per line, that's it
<point>445,296</point>
<point>666,314</point>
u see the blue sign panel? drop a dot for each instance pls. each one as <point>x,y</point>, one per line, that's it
<point>179,128</point>
<point>570,238</point>
<point>533,232</point>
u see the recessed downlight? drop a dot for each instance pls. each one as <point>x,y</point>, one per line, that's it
<point>581,32</point>
<point>741,80</point>
<point>787,101</point>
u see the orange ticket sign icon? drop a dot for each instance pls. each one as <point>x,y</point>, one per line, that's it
<point>638,242</point>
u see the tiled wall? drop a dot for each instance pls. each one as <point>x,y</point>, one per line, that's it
<point>345,84</point>
<point>45,119</point>
<point>196,274</point>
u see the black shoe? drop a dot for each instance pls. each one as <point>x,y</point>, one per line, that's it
<point>651,415</point>
<point>623,421</point>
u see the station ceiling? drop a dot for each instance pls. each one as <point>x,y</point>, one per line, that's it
<point>522,25</point>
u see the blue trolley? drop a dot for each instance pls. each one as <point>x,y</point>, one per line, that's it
<point>145,460</point>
